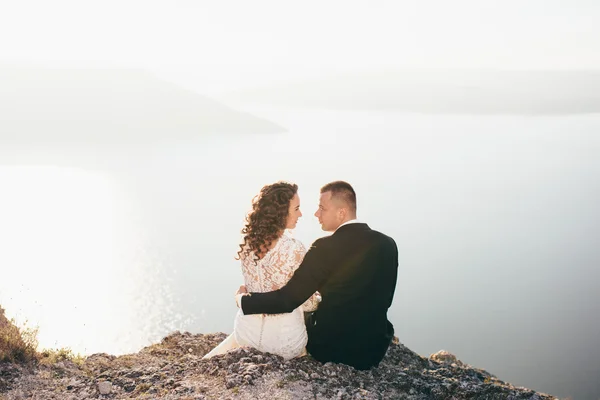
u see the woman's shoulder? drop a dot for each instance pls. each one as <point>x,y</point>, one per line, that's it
<point>292,243</point>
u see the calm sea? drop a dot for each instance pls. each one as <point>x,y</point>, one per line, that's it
<point>496,219</point>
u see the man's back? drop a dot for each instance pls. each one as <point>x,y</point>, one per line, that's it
<point>351,325</point>
<point>355,270</point>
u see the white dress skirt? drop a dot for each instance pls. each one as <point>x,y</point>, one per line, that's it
<point>281,334</point>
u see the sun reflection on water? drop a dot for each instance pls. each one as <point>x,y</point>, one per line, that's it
<point>73,263</point>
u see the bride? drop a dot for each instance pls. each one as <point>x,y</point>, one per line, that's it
<point>269,258</point>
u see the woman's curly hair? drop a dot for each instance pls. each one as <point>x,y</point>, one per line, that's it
<point>267,219</point>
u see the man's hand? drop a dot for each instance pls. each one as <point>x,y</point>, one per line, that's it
<point>238,295</point>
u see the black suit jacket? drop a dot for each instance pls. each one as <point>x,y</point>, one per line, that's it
<point>355,270</point>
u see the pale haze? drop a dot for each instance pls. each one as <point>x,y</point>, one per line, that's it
<point>133,136</point>
<point>214,46</point>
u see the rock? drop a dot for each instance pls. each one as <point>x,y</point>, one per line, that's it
<point>443,356</point>
<point>232,382</point>
<point>169,370</point>
<point>104,387</point>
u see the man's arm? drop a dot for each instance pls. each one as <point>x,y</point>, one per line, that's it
<point>307,279</point>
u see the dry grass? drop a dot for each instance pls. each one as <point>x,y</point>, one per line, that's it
<point>16,344</point>
<point>19,345</point>
<point>52,356</point>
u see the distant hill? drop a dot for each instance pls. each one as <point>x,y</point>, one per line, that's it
<point>109,105</point>
<point>451,91</point>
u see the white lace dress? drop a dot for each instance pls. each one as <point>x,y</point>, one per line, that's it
<point>281,334</point>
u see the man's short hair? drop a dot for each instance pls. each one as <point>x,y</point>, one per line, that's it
<point>342,191</point>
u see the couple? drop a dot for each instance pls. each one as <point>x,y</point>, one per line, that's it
<point>352,272</point>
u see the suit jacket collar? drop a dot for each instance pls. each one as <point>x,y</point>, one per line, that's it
<point>352,226</point>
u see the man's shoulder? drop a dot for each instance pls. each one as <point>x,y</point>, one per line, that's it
<point>382,235</point>
<point>321,243</point>
<point>383,238</point>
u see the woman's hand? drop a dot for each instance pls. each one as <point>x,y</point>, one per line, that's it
<point>238,295</point>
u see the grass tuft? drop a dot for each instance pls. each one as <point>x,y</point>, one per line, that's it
<point>17,345</point>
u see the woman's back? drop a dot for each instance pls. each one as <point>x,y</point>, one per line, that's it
<point>282,334</point>
<point>276,268</point>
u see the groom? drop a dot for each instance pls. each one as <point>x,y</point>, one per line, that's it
<point>355,271</point>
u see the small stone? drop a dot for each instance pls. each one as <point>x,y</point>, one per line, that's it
<point>230,383</point>
<point>443,356</point>
<point>257,358</point>
<point>104,387</point>
<point>250,369</point>
<point>74,382</point>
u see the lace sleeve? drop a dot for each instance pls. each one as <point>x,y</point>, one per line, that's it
<point>299,252</point>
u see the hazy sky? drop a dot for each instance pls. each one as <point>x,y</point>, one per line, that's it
<point>221,45</point>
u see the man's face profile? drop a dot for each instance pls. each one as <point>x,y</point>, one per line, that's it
<point>328,212</point>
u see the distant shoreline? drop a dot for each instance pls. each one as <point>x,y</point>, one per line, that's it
<point>452,91</point>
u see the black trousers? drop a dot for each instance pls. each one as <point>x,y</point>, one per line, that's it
<point>309,319</point>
